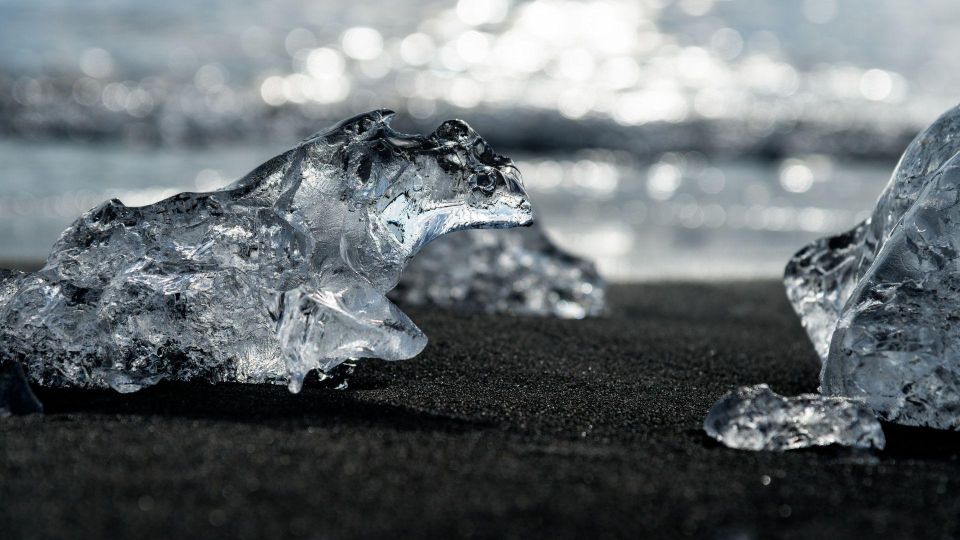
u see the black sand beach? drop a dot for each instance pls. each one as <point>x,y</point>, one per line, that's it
<point>504,427</point>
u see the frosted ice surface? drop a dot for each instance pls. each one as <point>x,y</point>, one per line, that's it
<point>881,302</point>
<point>520,272</point>
<point>756,418</point>
<point>280,273</point>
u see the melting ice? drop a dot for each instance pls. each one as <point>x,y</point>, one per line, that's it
<point>880,302</point>
<point>756,418</point>
<point>280,273</point>
<point>520,272</point>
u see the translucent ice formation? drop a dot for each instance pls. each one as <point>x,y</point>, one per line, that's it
<point>280,273</point>
<point>881,301</point>
<point>519,272</point>
<point>756,418</point>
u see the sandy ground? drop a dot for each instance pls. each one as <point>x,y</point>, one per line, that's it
<point>503,428</point>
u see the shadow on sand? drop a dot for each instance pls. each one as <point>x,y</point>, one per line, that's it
<point>250,403</point>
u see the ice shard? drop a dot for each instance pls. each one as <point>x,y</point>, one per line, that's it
<point>880,302</point>
<point>280,273</point>
<point>756,418</point>
<point>518,272</point>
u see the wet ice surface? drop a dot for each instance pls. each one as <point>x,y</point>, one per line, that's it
<point>519,272</point>
<point>756,418</point>
<point>282,272</point>
<point>880,302</point>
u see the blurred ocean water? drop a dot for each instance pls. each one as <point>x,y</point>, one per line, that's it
<point>665,139</point>
<point>681,216</point>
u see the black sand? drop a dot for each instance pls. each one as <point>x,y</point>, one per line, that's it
<point>503,428</point>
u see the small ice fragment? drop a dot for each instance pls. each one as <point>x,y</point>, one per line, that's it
<point>756,418</point>
<point>283,272</point>
<point>880,302</point>
<point>518,272</point>
<point>15,394</point>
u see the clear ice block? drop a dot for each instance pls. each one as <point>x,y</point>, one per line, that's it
<point>517,272</point>
<point>880,302</point>
<point>280,273</point>
<point>756,418</point>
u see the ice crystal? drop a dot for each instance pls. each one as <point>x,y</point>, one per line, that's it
<point>880,302</point>
<point>519,272</point>
<point>756,418</point>
<point>282,272</point>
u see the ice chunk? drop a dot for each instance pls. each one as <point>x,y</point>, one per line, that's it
<point>520,272</point>
<point>8,284</point>
<point>280,273</point>
<point>15,394</point>
<point>756,418</point>
<point>880,302</point>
